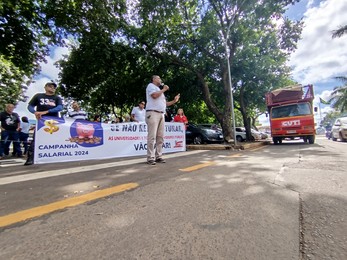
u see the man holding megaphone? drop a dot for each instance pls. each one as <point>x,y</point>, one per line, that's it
<point>155,111</point>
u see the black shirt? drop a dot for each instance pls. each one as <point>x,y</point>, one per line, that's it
<point>44,102</point>
<point>9,121</point>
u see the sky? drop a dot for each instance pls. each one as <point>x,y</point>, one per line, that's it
<point>317,60</point>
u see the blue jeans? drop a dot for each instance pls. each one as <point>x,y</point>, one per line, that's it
<point>23,138</point>
<point>6,138</point>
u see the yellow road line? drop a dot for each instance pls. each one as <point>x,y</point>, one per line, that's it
<point>235,155</point>
<point>59,205</point>
<point>257,148</point>
<point>197,167</point>
<point>203,165</point>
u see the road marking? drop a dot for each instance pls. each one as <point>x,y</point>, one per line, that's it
<point>235,155</point>
<point>206,164</point>
<point>53,173</point>
<point>59,205</point>
<point>11,162</point>
<point>257,148</point>
<point>197,167</point>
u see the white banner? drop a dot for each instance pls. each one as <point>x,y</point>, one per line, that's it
<point>64,140</point>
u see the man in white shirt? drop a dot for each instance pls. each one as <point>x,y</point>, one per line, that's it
<point>155,110</point>
<point>138,114</point>
<point>77,112</point>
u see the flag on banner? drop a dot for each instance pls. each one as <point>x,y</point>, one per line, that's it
<point>324,102</point>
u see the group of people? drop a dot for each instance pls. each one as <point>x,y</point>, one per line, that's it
<point>137,114</point>
<point>49,104</point>
<point>14,130</point>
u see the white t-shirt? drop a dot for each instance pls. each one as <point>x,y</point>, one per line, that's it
<point>159,103</point>
<point>139,115</point>
<point>25,127</point>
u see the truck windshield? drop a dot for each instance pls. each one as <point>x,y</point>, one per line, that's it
<point>300,109</point>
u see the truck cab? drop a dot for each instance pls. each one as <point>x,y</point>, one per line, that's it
<point>291,113</point>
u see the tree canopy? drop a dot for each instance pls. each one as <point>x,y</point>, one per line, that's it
<point>120,44</point>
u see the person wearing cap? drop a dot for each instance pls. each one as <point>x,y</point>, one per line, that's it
<point>155,111</point>
<point>43,104</point>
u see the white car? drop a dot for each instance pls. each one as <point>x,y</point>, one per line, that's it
<point>241,134</point>
<point>339,129</point>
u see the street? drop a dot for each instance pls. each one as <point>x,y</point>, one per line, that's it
<point>284,201</point>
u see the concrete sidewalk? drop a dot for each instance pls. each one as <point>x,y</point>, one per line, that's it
<point>239,146</point>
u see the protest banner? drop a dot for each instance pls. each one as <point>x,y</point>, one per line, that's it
<point>64,140</point>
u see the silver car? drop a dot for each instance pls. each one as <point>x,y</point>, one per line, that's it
<point>339,129</point>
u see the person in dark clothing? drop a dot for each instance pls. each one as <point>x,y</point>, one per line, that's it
<point>9,131</point>
<point>168,116</point>
<point>43,104</point>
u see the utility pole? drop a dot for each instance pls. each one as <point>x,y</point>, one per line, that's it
<point>225,40</point>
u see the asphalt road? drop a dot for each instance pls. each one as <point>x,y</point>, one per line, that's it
<point>276,202</point>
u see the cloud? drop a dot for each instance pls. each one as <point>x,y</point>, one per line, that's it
<point>49,72</point>
<point>319,58</point>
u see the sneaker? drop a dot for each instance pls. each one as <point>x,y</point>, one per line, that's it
<point>160,160</point>
<point>151,162</point>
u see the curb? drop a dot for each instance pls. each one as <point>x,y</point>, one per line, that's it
<point>244,146</point>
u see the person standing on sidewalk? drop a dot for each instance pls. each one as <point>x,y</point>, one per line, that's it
<point>46,104</point>
<point>9,131</point>
<point>24,133</point>
<point>138,114</point>
<point>155,110</point>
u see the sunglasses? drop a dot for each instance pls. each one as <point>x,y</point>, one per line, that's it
<point>51,86</point>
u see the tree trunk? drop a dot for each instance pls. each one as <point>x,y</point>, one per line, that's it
<point>223,117</point>
<point>245,117</point>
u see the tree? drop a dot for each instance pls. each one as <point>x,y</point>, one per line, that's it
<point>113,78</point>
<point>339,32</point>
<point>190,35</point>
<point>258,68</point>
<point>29,27</point>
<point>339,96</point>
<point>187,43</point>
<point>11,83</point>
<point>330,117</point>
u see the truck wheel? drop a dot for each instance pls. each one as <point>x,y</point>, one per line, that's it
<point>275,140</point>
<point>311,139</point>
<point>305,139</point>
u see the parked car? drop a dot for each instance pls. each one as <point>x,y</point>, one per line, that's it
<point>264,135</point>
<point>339,129</point>
<point>212,126</point>
<point>240,134</point>
<point>199,134</point>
